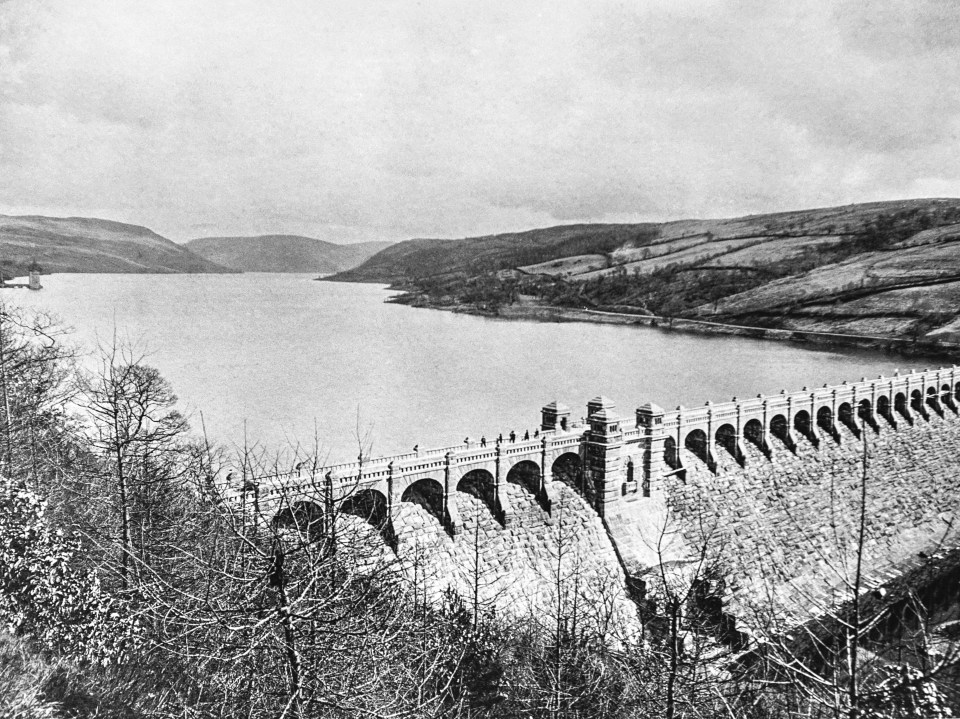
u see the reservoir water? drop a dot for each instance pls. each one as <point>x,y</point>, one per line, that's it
<point>283,358</point>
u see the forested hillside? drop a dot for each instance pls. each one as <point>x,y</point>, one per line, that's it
<point>888,268</point>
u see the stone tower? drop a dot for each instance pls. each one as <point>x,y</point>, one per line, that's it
<point>603,465</point>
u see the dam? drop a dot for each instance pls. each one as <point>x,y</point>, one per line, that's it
<point>766,490</point>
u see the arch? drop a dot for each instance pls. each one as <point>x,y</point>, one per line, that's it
<point>370,505</point>
<point>527,475</point>
<point>305,517</point>
<point>825,422</point>
<point>916,404</point>
<point>845,416</point>
<point>933,400</point>
<point>427,493</point>
<point>781,430</point>
<point>671,457</point>
<point>883,409</point>
<point>865,414</point>
<point>946,398</point>
<point>566,469</point>
<point>753,433</point>
<point>726,437</point>
<point>916,399</point>
<point>956,391</point>
<point>901,407</point>
<point>825,418</point>
<point>480,483</point>
<point>696,443</point>
<point>803,425</point>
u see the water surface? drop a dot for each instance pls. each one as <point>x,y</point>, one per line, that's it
<point>283,358</point>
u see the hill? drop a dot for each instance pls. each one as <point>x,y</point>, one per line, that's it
<point>414,259</point>
<point>283,253</point>
<point>83,244</point>
<point>888,269</point>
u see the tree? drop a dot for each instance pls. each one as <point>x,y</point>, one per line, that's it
<point>34,369</point>
<point>138,433</point>
<point>42,592</point>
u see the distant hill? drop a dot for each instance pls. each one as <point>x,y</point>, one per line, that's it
<point>890,269</point>
<point>83,244</point>
<point>283,253</point>
<point>424,258</point>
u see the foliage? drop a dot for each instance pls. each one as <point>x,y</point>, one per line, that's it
<point>42,592</point>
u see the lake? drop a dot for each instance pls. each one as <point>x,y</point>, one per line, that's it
<point>282,358</point>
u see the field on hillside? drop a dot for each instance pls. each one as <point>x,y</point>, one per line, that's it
<point>885,268</point>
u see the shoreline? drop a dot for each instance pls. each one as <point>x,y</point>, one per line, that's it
<point>549,313</point>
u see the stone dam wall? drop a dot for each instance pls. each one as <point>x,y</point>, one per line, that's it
<point>539,562</point>
<point>764,492</point>
<point>538,559</point>
<point>784,529</point>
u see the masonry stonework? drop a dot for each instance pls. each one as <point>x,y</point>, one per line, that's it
<point>765,490</point>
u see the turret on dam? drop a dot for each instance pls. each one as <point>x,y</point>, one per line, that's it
<point>767,488</point>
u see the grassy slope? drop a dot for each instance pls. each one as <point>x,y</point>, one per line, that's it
<point>888,268</point>
<point>80,244</point>
<point>283,253</point>
<point>414,259</point>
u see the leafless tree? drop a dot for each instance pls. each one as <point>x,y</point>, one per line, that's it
<point>139,434</point>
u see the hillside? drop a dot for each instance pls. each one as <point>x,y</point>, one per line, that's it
<point>283,253</point>
<point>475,255</point>
<point>82,244</point>
<point>887,268</point>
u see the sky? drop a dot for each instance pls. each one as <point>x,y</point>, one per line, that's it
<point>354,120</point>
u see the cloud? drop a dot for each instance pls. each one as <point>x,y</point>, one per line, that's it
<point>370,119</point>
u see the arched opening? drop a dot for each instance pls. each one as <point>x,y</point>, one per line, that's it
<point>479,483</point>
<point>696,443</point>
<point>956,391</point>
<point>825,419</point>
<point>527,475</point>
<point>845,415</point>
<point>825,422</point>
<point>630,486</point>
<point>946,398</point>
<point>779,429</point>
<point>933,400</point>
<point>900,406</point>
<point>865,414</point>
<point>753,433</point>
<point>883,409</point>
<point>370,506</point>
<point>428,494</point>
<point>803,426</point>
<point>726,437</point>
<point>916,404</point>
<point>566,469</point>
<point>304,517</point>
